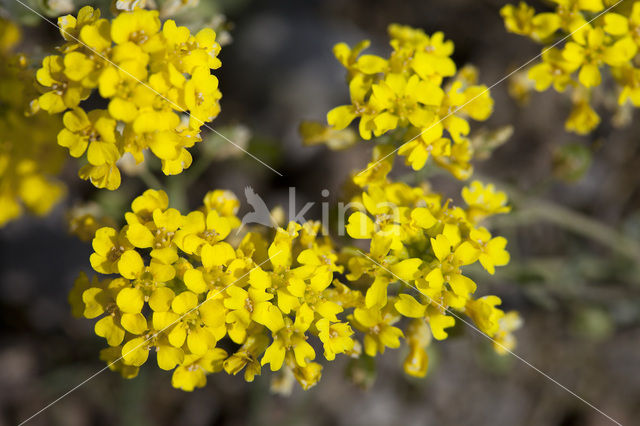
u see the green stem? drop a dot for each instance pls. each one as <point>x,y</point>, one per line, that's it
<point>150,179</point>
<point>194,172</point>
<point>177,191</point>
<point>532,209</point>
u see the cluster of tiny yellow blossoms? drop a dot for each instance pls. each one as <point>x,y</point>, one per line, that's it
<point>422,242</point>
<point>29,158</point>
<point>151,73</point>
<point>174,285</point>
<point>596,42</point>
<point>412,274</point>
<point>206,296</point>
<point>416,97</point>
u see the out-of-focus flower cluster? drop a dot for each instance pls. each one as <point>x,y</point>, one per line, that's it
<point>596,43</point>
<point>150,73</point>
<point>415,96</point>
<point>171,284</point>
<point>29,157</point>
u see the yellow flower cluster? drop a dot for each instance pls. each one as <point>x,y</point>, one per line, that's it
<point>29,159</point>
<point>422,242</point>
<point>151,73</point>
<point>412,275</point>
<point>415,96</point>
<point>177,287</point>
<point>596,42</point>
<point>205,298</point>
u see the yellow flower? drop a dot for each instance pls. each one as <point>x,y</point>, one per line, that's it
<point>582,119</point>
<point>504,339</point>
<point>95,131</point>
<point>201,96</point>
<point>399,101</point>
<point>100,301</point>
<point>418,338</point>
<point>446,267</point>
<point>252,304</point>
<point>378,329</point>
<point>108,245</point>
<point>492,250</point>
<point>621,25</point>
<point>192,373</point>
<point>290,341</point>
<point>356,63</point>
<point>247,356</point>
<point>553,69</point>
<point>140,27</point>
<point>199,230</point>
<point>336,338</point>
<point>523,21</point>
<point>484,313</point>
<point>429,142</point>
<point>590,49</point>
<point>484,201</point>
<point>9,35</point>
<point>64,93</point>
<point>431,54</point>
<point>71,27</point>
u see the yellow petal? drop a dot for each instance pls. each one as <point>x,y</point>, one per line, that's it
<point>161,298</point>
<point>409,307</point>
<point>108,329</point>
<point>140,236</point>
<point>134,352</point>
<point>589,75</point>
<point>184,302</point>
<point>466,254</point>
<point>371,64</point>
<point>407,269</point>
<point>130,264</point>
<point>441,247</point>
<point>437,323</point>
<point>134,323</point>
<point>169,357</point>
<point>194,281</point>
<point>269,315</point>
<point>130,300</point>
<point>259,279</point>
<point>377,293</point>
<point>219,254</point>
<point>461,285</point>
<point>423,218</point>
<point>360,226</point>
<point>340,117</point>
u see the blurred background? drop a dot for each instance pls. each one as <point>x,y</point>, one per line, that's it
<point>574,237</point>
